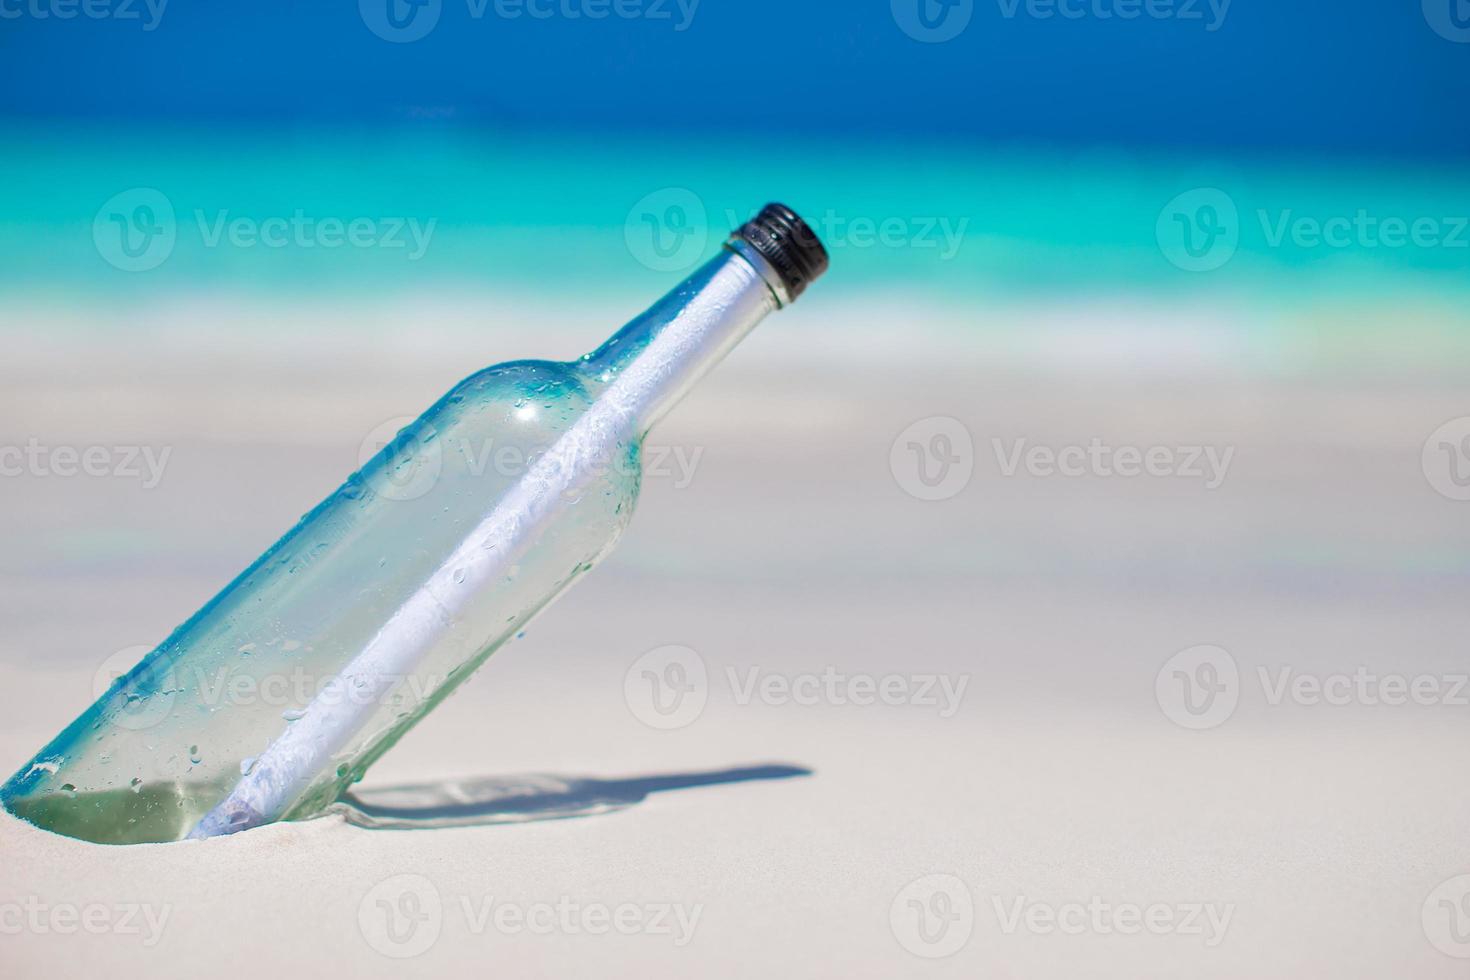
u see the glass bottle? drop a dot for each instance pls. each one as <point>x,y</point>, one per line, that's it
<point>280,692</point>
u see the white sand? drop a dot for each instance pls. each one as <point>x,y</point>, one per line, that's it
<point>1320,831</point>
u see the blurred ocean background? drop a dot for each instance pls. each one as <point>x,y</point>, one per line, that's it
<point>1079,254</point>
<point>259,239</point>
<point>969,164</point>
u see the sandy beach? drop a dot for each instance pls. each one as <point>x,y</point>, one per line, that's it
<point>999,781</point>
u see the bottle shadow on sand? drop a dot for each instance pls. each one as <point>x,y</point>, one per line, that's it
<point>482,801</point>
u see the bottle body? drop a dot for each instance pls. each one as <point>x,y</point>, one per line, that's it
<point>279,693</point>
<point>169,741</point>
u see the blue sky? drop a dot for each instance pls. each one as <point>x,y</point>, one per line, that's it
<point>1360,77</point>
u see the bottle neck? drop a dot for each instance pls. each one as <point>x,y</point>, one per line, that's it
<point>650,364</point>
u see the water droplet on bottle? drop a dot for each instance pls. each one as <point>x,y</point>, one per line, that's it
<point>247,649</point>
<point>68,789</point>
<point>246,764</point>
<point>136,785</point>
<point>459,576</point>
<point>194,755</point>
<point>293,714</point>
<point>291,645</point>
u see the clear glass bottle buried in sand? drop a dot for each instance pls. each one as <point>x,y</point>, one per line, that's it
<point>277,695</point>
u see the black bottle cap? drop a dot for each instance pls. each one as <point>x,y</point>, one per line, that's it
<point>788,243</point>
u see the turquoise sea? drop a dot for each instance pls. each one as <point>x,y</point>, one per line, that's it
<point>951,233</point>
